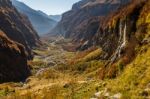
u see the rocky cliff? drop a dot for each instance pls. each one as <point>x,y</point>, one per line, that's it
<point>122,33</point>
<point>16,41</point>
<point>17,27</point>
<point>13,60</point>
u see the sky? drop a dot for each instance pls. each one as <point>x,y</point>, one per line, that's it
<point>51,7</point>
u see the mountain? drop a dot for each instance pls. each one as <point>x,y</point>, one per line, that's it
<point>122,35</point>
<point>56,17</point>
<point>119,27</point>
<point>13,66</point>
<point>16,41</point>
<point>17,26</point>
<point>82,21</point>
<point>40,21</point>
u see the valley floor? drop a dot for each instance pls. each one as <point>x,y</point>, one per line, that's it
<point>50,79</point>
<point>59,74</point>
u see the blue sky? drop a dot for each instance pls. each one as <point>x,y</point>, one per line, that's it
<point>50,7</point>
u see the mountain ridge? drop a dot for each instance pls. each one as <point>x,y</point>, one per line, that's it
<point>40,21</point>
<point>74,23</point>
<point>17,38</point>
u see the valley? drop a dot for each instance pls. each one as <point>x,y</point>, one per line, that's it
<point>59,74</point>
<point>99,49</point>
<point>50,74</point>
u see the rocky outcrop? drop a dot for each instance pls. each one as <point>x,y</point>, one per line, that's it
<point>13,60</point>
<point>17,27</point>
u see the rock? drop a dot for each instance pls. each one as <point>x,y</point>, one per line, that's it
<point>66,85</point>
<point>93,98</point>
<point>106,94</point>
<point>82,82</point>
<point>13,61</point>
<point>146,41</point>
<point>117,96</point>
<point>98,94</point>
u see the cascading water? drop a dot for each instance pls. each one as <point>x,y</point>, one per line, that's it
<point>122,41</point>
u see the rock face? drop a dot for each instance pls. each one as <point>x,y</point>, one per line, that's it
<point>121,33</point>
<point>13,60</point>
<point>118,30</point>
<point>82,22</point>
<point>41,22</point>
<point>17,27</point>
<point>16,41</point>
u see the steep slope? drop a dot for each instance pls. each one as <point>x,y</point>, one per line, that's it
<point>17,27</point>
<point>13,60</point>
<point>121,35</point>
<point>82,22</point>
<point>40,21</point>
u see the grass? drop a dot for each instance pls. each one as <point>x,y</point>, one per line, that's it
<point>134,78</point>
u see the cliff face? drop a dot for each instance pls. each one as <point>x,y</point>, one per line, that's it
<point>13,60</point>
<point>17,27</point>
<point>119,29</point>
<point>122,33</point>
<point>16,41</point>
<point>82,22</point>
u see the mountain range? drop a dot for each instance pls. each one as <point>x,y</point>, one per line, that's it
<point>82,21</point>
<point>114,25</point>
<point>41,22</point>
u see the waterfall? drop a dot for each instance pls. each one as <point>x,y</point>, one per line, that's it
<point>122,41</point>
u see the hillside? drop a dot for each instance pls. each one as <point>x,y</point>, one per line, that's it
<point>13,65</point>
<point>17,38</point>
<point>17,27</point>
<point>41,22</point>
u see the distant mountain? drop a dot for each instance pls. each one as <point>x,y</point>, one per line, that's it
<point>40,21</point>
<point>56,17</point>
